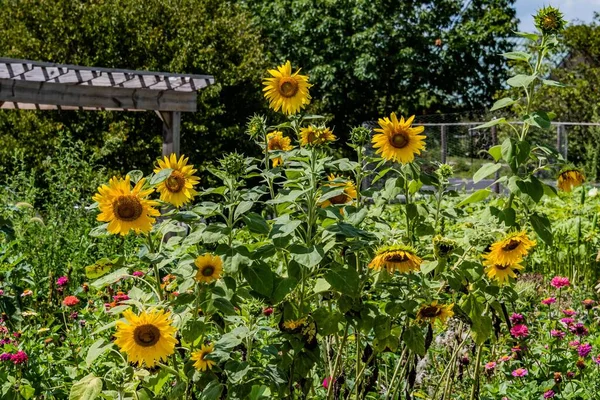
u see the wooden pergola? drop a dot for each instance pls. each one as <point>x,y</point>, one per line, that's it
<point>34,85</point>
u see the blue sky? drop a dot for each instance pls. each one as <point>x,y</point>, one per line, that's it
<point>582,10</point>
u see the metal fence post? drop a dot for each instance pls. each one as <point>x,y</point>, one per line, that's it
<point>497,174</point>
<point>565,142</point>
<point>444,143</point>
<point>558,139</point>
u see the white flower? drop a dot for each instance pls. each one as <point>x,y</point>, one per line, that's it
<point>593,192</point>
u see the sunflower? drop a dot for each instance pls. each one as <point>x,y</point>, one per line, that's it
<point>435,312</point>
<point>178,188</point>
<point>294,324</point>
<point>201,363</point>
<point>397,140</point>
<point>511,249</point>
<point>569,179</point>
<point>125,209</point>
<point>276,141</point>
<point>314,136</point>
<point>396,258</point>
<point>210,268</point>
<point>146,338</point>
<point>347,196</point>
<point>286,91</point>
<point>501,272</point>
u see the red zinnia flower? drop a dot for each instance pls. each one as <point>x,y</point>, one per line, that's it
<point>70,301</point>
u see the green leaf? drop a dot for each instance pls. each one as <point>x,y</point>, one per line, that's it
<point>493,122</point>
<point>102,267</point>
<point>496,152</point>
<point>550,82</point>
<point>87,388</point>
<point>328,322</point>
<point>110,278</point>
<point>256,223</point>
<point>539,119</point>
<point>382,326</point>
<point>521,80</point>
<point>260,278</point>
<point>284,229</point>
<point>283,287</point>
<point>517,55</point>
<point>344,279</point>
<point>242,208</point>
<point>414,339</point>
<point>306,256</point>
<point>505,102</point>
<point>477,196</point>
<point>531,36</point>
<point>541,225</point>
<point>481,327</point>
<point>96,350</point>
<point>485,171</point>
<point>259,392</point>
<point>160,176</point>
<point>135,175</point>
<point>508,150</point>
<point>531,187</point>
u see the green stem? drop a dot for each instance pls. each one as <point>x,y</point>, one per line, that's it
<point>475,388</point>
<point>337,361</point>
<point>155,267</point>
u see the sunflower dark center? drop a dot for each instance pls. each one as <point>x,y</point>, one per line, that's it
<point>288,87</point>
<point>511,245</point>
<point>127,208</point>
<point>399,140</point>
<point>175,182</point>
<point>275,144</point>
<point>339,199</point>
<point>209,270</point>
<point>146,335</point>
<point>430,311</point>
<point>398,258</point>
<point>501,267</point>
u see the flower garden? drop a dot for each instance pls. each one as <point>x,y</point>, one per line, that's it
<point>302,275</point>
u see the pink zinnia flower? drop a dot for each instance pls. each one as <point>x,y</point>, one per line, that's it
<point>62,281</point>
<point>567,321</point>
<point>326,382</point>
<point>597,359</point>
<point>579,329</point>
<point>569,312</point>
<point>19,357</point>
<point>27,292</point>
<point>139,274</point>
<point>505,358</point>
<point>519,372</point>
<point>549,300</point>
<point>560,281</point>
<point>574,343</point>
<point>588,303</point>
<point>1,292</point>
<point>516,318</point>
<point>549,394</point>
<point>490,365</point>
<point>519,331</point>
<point>120,296</point>
<point>557,333</point>
<point>584,349</point>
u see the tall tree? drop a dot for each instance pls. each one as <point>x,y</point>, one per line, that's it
<point>370,57</point>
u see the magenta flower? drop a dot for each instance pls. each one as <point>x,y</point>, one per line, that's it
<point>569,312</point>
<point>557,333</point>
<point>326,382</point>
<point>62,281</point>
<point>1,292</point>
<point>517,318</point>
<point>579,329</point>
<point>7,356</point>
<point>519,331</point>
<point>519,372</point>
<point>19,357</point>
<point>548,300</point>
<point>549,394</point>
<point>567,321</point>
<point>597,359</point>
<point>584,349</point>
<point>139,274</point>
<point>560,281</point>
<point>490,365</point>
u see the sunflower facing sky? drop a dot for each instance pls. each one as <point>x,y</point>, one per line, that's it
<point>210,268</point>
<point>178,188</point>
<point>510,250</point>
<point>435,312</point>
<point>277,142</point>
<point>570,179</point>
<point>347,196</point>
<point>315,135</point>
<point>286,91</point>
<point>396,258</point>
<point>203,364</point>
<point>146,338</point>
<point>125,209</point>
<point>501,272</point>
<point>398,141</point>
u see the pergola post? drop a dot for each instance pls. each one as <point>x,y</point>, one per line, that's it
<point>171,132</point>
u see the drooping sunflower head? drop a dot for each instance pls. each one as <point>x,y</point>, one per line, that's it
<point>435,312</point>
<point>570,178</point>
<point>146,338</point>
<point>443,247</point>
<point>397,140</point>
<point>316,135</point>
<point>549,20</point>
<point>201,362</point>
<point>294,324</point>
<point>124,208</point>
<point>178,188</point>
<point>277,142</point>
<point>396,258</point>
<point>347,196</point>
<point>501,273</point>
<point>286,91</point>
<point>210,268</point>
<point>511,249</point>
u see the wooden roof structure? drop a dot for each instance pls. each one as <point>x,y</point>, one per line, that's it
<point>35,85</point>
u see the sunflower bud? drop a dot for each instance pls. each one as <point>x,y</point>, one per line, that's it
<point>443,247</point>
<point>233,164</point>
<point>444,172</point>
<point>256,127</point>
<point>550,21</point>
<point>360,135</point>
